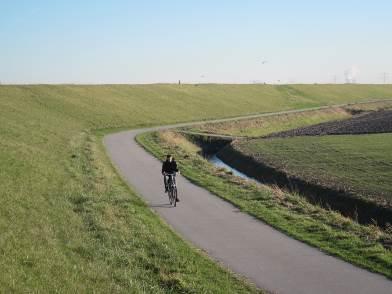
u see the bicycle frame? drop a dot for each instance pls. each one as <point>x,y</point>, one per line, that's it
<point>172,189</point>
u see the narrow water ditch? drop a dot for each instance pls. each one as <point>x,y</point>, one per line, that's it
<point>215,160</point>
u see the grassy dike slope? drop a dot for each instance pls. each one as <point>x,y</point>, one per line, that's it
<point>68,223</point>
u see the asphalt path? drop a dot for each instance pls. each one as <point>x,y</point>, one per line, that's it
<point>267,257</point>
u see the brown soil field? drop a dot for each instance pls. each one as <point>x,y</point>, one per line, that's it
<point>373,122</point>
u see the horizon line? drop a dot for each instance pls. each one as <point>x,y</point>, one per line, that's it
<point>179,84</point>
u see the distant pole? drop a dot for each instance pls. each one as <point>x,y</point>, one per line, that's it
<point>179,82</point>
<point>385,77</point>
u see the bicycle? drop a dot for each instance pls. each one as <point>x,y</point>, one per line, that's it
<point>172,188</point>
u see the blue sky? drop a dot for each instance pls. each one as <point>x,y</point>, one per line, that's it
<point>195,41</point>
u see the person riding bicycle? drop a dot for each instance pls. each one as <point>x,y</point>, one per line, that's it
<point>169,167</point>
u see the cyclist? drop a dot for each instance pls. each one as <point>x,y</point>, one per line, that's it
<point>169,166</point>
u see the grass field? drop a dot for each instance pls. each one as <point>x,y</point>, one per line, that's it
<point>322,228</point>
<point>360,164</point>
<point>68,223</point>
<point>266,125</point>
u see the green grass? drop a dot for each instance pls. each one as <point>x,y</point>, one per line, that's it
<point>360,164</point>
<point>68,224</point>
<point>290,213</point>
<point>257,127</point>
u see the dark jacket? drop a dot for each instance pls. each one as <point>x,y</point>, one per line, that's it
<point>169,167</point>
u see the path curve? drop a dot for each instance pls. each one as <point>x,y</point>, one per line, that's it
<point>272,260</point>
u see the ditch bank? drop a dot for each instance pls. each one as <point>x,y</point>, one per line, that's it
<point>364,212</point>
<point>210,145</point>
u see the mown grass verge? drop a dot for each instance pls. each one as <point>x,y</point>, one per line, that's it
<point>292,214</point>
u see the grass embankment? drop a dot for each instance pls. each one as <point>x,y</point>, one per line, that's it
<point>292,214</point>
<point>68,224</point>
<point>262,126</point>
<point>357,164</point>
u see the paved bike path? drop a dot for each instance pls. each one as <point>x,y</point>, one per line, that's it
<point>272,260</point>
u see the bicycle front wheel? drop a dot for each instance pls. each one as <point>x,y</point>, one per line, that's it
<point>170,194</point>
<point>175,196</point>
